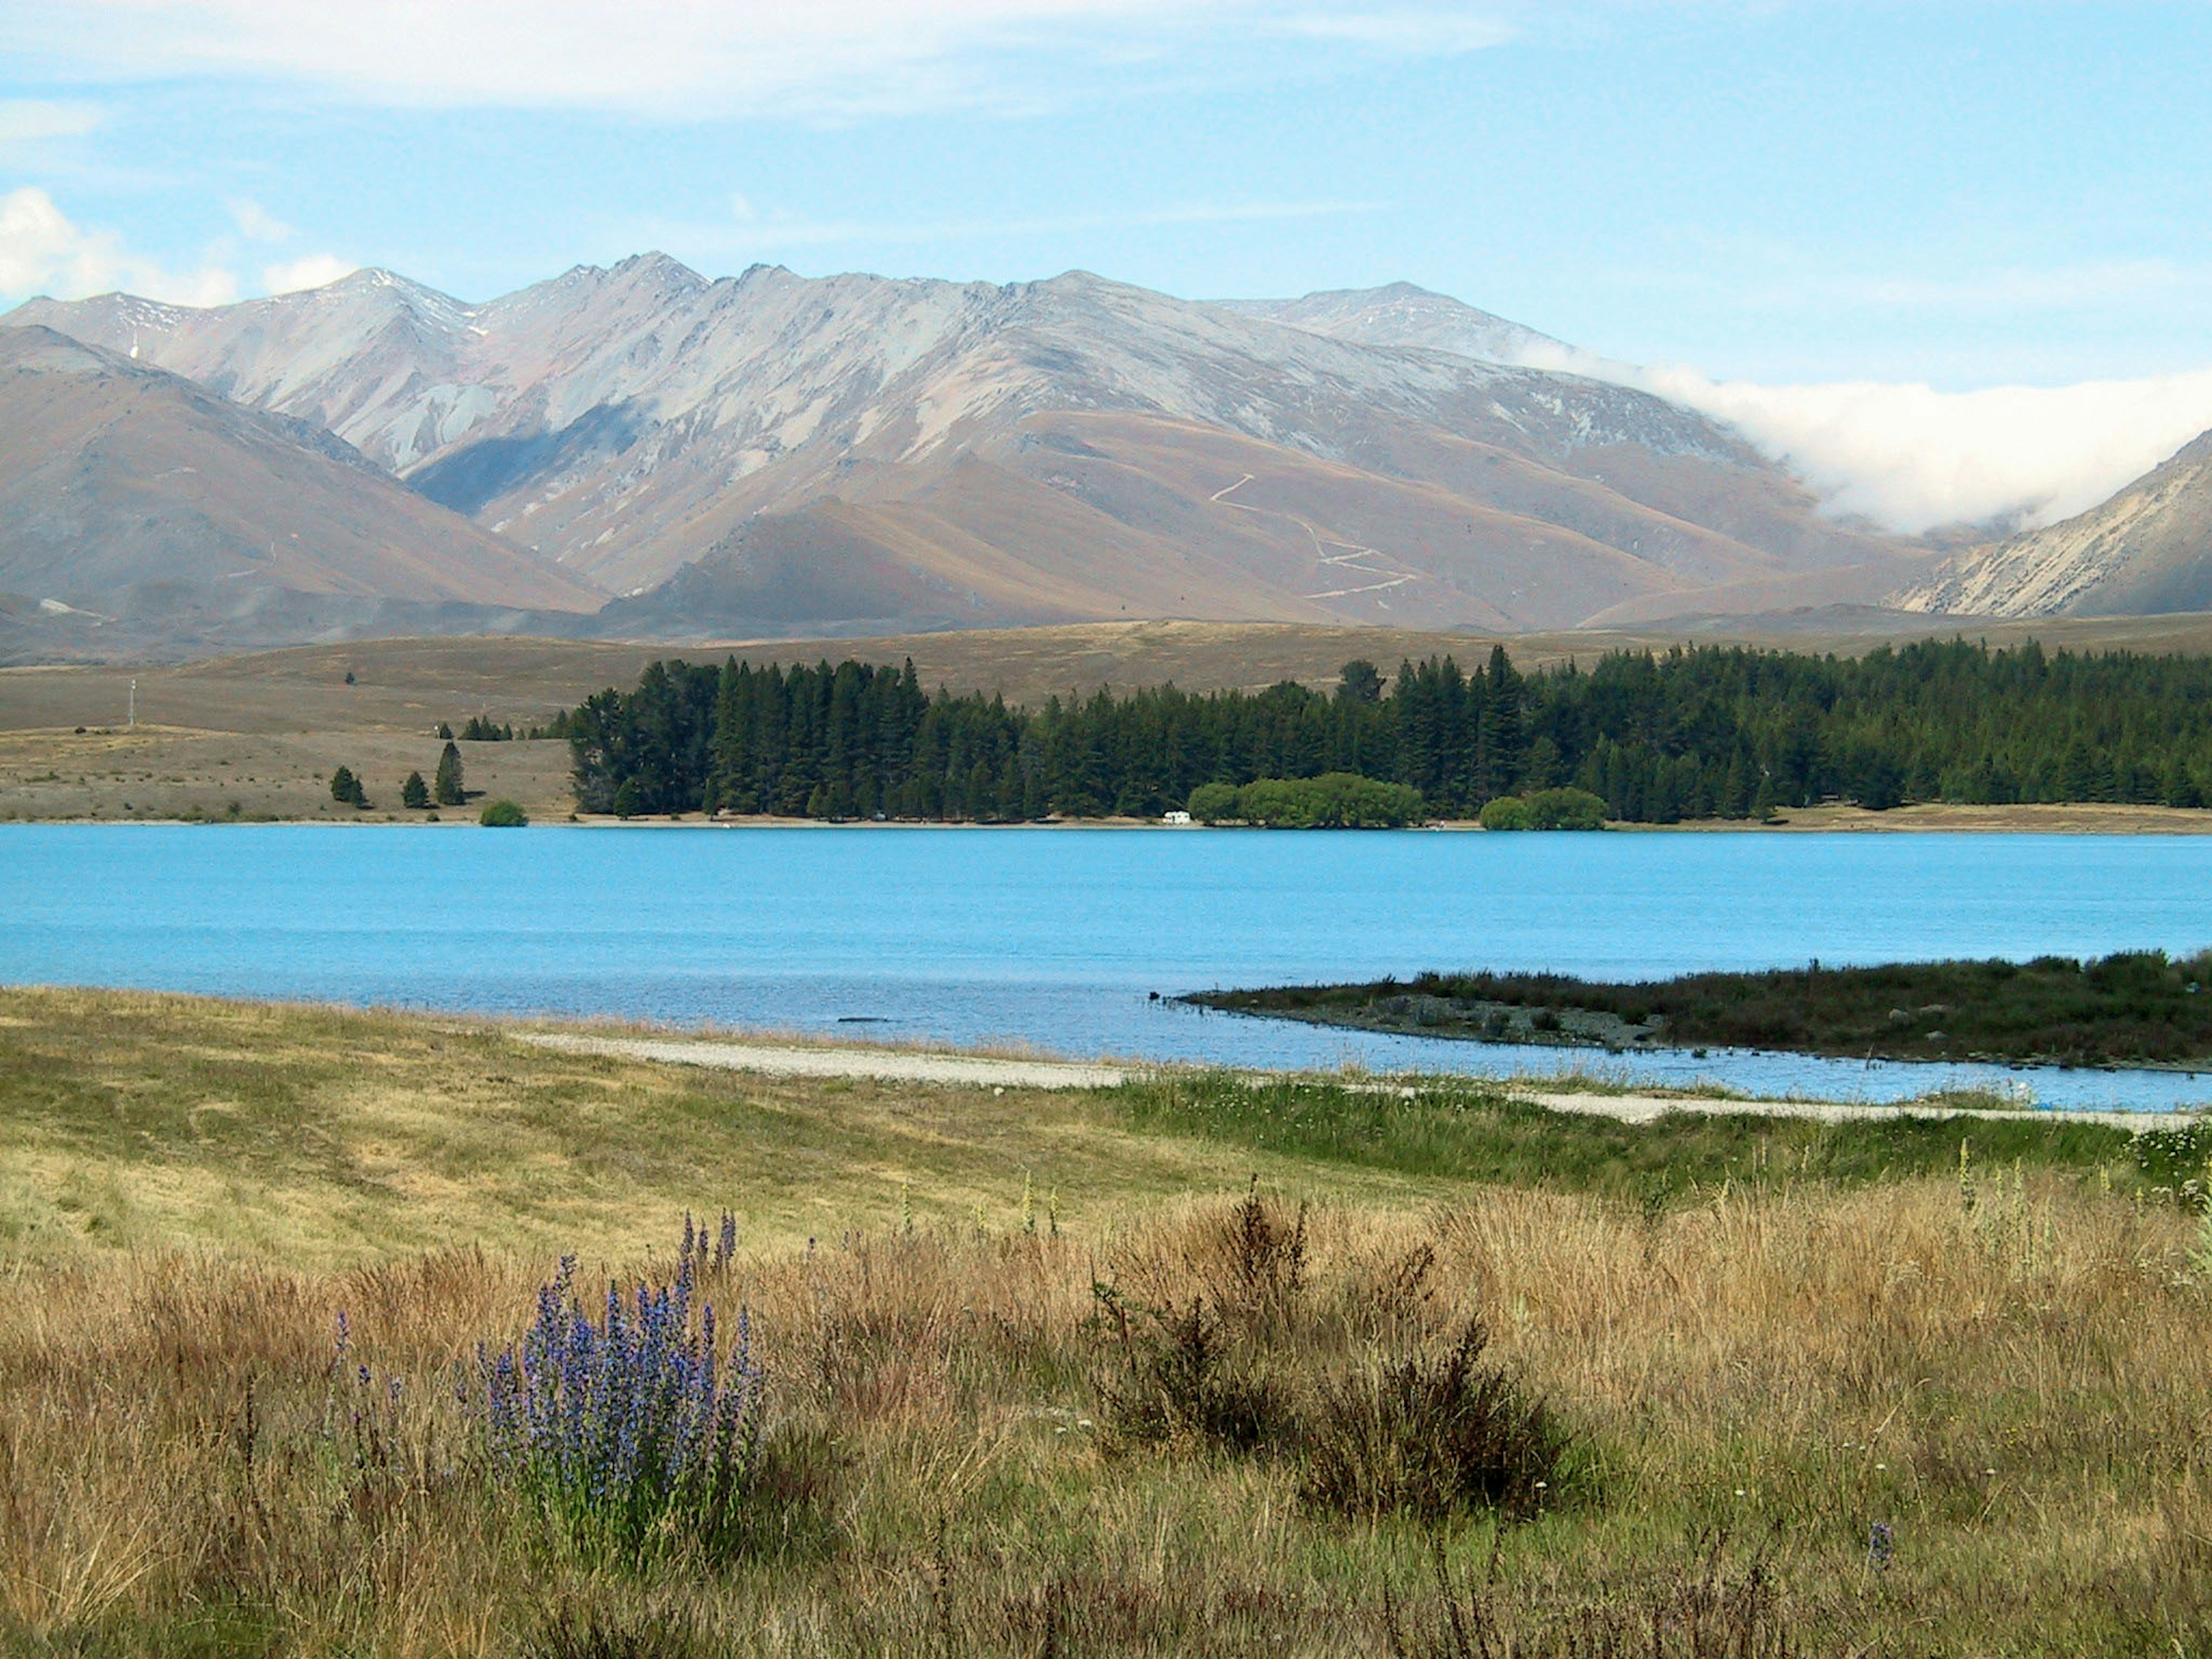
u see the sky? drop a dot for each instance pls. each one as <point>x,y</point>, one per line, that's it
<point>1953,259</point>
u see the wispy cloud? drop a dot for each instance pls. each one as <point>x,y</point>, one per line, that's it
<point>33,120</point>
<point>680,58</point>
<point>1423,32</point>
<point>312,270</point>
<point>256,223</point>
<point>751,229</point>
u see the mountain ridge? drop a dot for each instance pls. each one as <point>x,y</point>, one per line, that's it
<point>1071,442</point>
<point>157,508</point>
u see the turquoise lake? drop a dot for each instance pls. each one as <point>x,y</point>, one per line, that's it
<point>1053,939</point>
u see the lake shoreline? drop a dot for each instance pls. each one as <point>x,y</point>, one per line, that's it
<point>2089,818</point>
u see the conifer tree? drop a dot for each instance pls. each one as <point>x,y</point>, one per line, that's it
<point>448,787</point>
<point>415,792</point>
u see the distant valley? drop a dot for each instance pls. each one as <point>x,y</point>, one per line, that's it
<point>641,452</point>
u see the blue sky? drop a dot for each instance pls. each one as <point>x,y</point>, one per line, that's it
<point>1954,194</point>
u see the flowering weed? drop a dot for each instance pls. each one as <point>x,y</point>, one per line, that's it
<point>634,1429</point>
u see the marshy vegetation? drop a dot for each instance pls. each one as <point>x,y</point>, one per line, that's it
<point>2136,1008</point>
<point>1052,1373</point>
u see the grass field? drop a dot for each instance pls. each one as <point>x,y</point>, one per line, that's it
<point>1821,1391</point>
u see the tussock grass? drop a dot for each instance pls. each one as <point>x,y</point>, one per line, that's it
<point>2017,1396</point>
<point>2007,1376</point>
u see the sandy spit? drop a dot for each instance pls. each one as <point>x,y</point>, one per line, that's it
<point>896,1066</point>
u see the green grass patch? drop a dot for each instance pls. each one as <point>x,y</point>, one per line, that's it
<point>1473,1131</point>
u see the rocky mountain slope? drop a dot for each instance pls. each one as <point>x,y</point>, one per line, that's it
<point>137,504</point>
<point>1401,314</point>
<point>853,452</point>
<point>2146,551</point>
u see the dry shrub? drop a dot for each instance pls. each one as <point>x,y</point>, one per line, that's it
<point>1427,1434</point>
<point>1418,1427</point>
<point>1183,1379</point>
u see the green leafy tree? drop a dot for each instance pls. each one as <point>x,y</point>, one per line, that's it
<point>502,814</point>
<point>1562,809</point>
<point>447,786</point>
<point>346,789</point>
<point>1509,812</point>
<point>1213,802</point>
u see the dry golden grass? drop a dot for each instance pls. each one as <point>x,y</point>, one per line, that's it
<point>1754,1376</point>
<point>2017,1391</point>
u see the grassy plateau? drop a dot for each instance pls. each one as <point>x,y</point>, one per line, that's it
<point>1194,1366</point>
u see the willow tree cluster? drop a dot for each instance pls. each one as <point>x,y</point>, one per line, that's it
<point>1703,732</point>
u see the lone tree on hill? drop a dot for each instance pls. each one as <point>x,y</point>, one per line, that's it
<point>414,792</point>
<point>345,788</point>
<point>448,785</point>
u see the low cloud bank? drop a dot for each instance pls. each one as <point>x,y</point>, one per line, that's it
<point>1912,457</point>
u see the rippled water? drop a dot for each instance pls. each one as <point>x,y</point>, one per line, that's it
<point>1054,939</point>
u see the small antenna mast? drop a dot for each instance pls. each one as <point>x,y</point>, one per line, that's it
<point>134,704</point>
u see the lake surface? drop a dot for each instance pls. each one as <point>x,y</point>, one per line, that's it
<point>1053,939</point>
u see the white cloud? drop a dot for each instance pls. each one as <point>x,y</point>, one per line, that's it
<point>686,58</point>
<point>315,271</point>
<point>256,223</point>
<point>43,252</point>
<point>1911,457</point>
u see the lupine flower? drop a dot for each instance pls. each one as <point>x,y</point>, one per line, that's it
<point>630,1426</point>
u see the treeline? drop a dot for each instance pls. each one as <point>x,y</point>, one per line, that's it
<point>1702,732</point>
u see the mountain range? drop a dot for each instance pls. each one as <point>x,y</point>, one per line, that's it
<point>642,451</point>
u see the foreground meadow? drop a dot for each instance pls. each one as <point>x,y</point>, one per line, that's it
<point>1186,1367</point>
